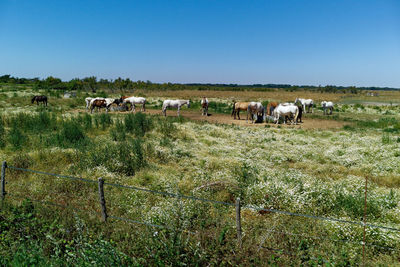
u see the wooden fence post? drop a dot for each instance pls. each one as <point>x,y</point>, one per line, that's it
<point>3,180</point>
<point>238,223</point>
<point>102,200</point>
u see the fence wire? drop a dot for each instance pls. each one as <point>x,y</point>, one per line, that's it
<point>53,204</point>
<point>213,201</point>
<point>320,218</point>
<point>53,174</point>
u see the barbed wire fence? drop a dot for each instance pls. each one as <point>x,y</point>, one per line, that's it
<point>105,216</point>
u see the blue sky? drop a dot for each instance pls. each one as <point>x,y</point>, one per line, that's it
<point>341,42</point>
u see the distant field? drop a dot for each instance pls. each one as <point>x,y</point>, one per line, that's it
<point>318,168</point>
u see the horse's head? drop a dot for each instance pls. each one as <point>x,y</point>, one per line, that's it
<point>117,101</point>
<point>33,99</point>
<point>188,103</point>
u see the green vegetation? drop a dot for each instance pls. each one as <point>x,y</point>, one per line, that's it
<point>311,171</point>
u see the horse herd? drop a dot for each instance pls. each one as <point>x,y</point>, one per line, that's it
<point>273,112</point>
<point>276,112</point>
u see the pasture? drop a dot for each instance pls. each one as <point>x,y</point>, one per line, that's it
<point>318,167</point>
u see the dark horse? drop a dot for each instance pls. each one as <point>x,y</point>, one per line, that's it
<point>40,98</point>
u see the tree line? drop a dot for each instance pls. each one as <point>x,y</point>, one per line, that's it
<point>93,84</point>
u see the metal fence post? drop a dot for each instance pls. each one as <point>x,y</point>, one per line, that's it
<point>3,180</point>
<point>238,222</point>
<point>102,200</point>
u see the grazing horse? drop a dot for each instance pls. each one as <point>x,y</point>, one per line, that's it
<point>237,107</point>
<point>270,107</point>
<point>94,103</point>
<point>174,104</point>
<point>306,103</point>
<point>88,100</point>
<point>327,105</point>
<point>98,103</point>
<point>255,108</point>
<point>286,110</point>
<point>135,100</point>
<point>40,98</point>
<point>204,106</point>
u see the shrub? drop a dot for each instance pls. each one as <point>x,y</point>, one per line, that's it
<point>138,124</point>
<point>104,120</point>
<point>166,128</point>
<point>123,158</point>
<point>118,133</point>
<point>71,134</point>
<point>35,123</point>
<point>16,138</point>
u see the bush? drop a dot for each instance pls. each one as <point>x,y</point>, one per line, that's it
<point>104,120</point>
<point>34,123</point>
<point>118,133</point>
<point>167,128</point>
<point>138,124</point>
<point>16,138</point>
<point>71,134</point>
<point>123,158</point>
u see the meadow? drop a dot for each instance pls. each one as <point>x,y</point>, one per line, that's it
<point>318,170</point>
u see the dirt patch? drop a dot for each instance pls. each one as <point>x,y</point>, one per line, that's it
<point>308,123</point>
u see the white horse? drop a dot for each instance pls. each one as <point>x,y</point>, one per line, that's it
<point>327,105</point>
<point>255,108</point>
<point>136,100</point>
<point>87,100</point>
<point>174,104</point>
<point>287,110</point>
<point>306,103</point>
<point>204,106</point>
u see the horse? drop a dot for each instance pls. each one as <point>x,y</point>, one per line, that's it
<point>286,110</point>
<point>204,106</point>
<point>237,107</point>
<point>174,104</point>
<point>306,103</point>
<point>88,100</point>
<point>39,98</point>
<point>98,103</point>
<point>135,100</point>
<point>255,108</point>
<point>327,105</point>
<point>270,107</point>
<point>107,103</point>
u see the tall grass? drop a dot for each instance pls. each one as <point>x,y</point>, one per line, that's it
<point>137,124</point>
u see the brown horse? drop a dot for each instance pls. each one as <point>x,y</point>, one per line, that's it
<point>270,108</point>
<point>237,107</point>
<point>40,98</point>
<point>99,103</point>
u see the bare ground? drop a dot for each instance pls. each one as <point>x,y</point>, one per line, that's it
<point>308,123</point>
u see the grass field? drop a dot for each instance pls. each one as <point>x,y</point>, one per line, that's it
<point>318,168</point>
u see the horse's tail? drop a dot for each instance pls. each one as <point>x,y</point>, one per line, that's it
<point>233,108</point>
<point>249,112</point>
<point>296,115</point>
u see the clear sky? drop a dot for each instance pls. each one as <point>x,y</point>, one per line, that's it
<point>341,42</point>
